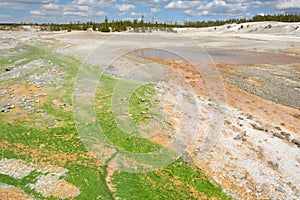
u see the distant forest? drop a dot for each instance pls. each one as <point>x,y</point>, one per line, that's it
<point>141,25</point>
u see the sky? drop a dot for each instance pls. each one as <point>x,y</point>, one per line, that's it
<point>66,11</point>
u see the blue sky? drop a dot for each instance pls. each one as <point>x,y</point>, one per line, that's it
<point>65,11</point>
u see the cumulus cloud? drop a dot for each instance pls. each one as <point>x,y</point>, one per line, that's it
<point>37,12</point>
<point>145,2</point>
<point>50,6</point>
<point>77,10</point>
<point>94,3</point>
<point>125,7</point>
<point>183,4</point>
<point>101,13</point>
<point>154,10</point>
<point>290,4</point>
<point>222,7</point>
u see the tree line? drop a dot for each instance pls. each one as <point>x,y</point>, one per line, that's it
<point>141,25</point>
<point>256,18</point>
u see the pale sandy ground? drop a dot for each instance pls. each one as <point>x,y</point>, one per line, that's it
<point>281,37</point>
<point>257,166</point>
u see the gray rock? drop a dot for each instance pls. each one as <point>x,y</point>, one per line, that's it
<point>64,105</point>
<point>273,164</point>
<point>255,126</point>
<point>40,95</point>
<point>250,117</point>
<point>3,92</point>
<point>31,112</point>
<point>297,116</point>
<point>227,122</point>
<point>278,135</point>
<point>53,123</point>
<point>279,189</point>
<point>58,119</point>
<point>258,189</point>
<point>54,101</point>
<point>240,136</point>
<point>10,106</point>
<point>285,134</point>
<point>4,110</point>
<point>296,142</point>
<point>278,128</point>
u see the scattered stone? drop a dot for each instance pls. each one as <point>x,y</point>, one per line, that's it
<point>143,100</point>
<point>40,95</point>
<point>258,189</point>
<point>255,126</point>
<point>296,142</point>
<point>279,189</point>
<point>124,113</point>
<point>278,135</point>
<point>4,110</point>
<point>240,136</point>
<point>297,116</point>
<point>239,175</point>
<point>54,101</point>
<point>31,112</point>
<point>285,134</point>
<point>10,107</point>
<point>43,114</point>
<point>52,123</point>
<point>124,99</point>
<point>273,164</point>
<point>227,122</point>
<point>3,92</point>
<point>58,119</point>
<point>241,118</point>
<point>278,128</point>
<point>250,117</point>
<point>64,105</point>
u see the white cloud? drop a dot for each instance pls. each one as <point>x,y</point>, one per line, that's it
<point>222,7</point>
<point>36,12</point>
<point>101,13</point>
<point>77,10</point>
<point>5,17</point>
<point>50,6</point>
<point>145,2</point>
<point>154,10</point>
<point>284,4</point>
<point>94,3</point>
<point>125,7</point>
<point>14,6</point>
<point>183,4</point>
<point>139,14</point>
